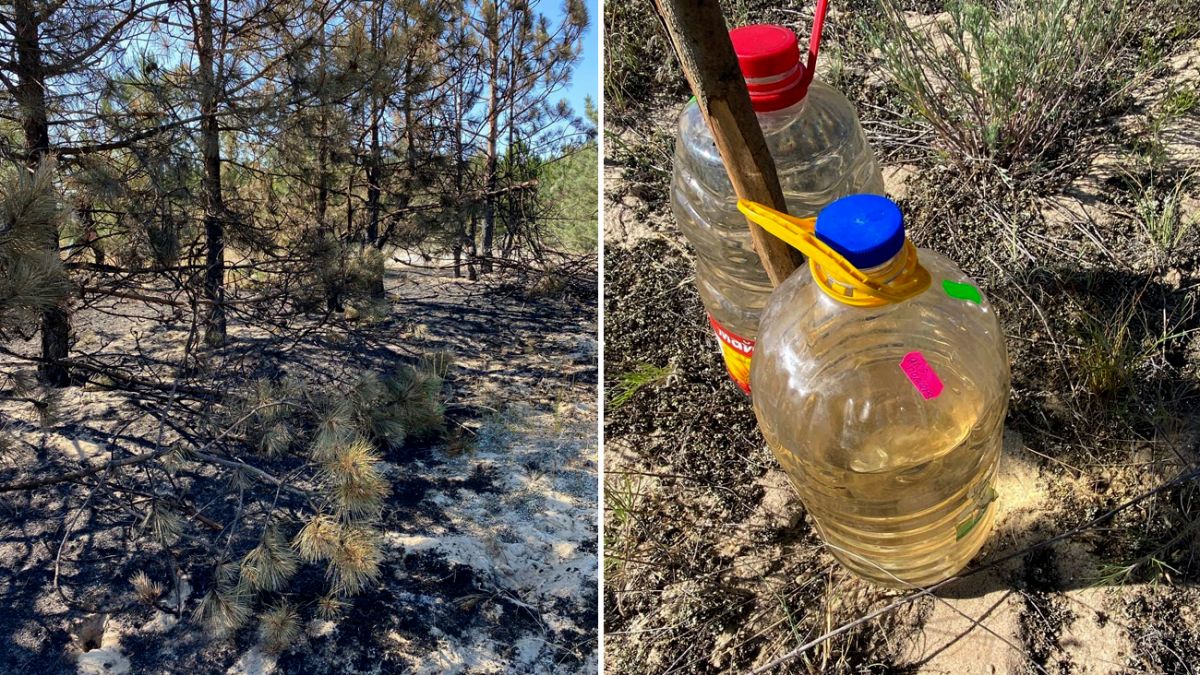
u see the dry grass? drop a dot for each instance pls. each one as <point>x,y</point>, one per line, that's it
<point>1002,85</point>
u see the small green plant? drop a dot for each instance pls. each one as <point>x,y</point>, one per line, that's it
<point>1158,207</point>
<point>643,375</point>
<point>1181,101</point>
<point>1149,567</point>
<point>1001,83</point>
<point>438,363</point>
<point>1116,347</point>
<point>1110,357</point>
<point>622,497</point>
<point>1150,54</point>
<point>834,59</point>
<point>562,399</point>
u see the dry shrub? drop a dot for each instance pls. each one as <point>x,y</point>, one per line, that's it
<point>1003,85</point>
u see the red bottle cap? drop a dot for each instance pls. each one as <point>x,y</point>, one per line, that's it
<point>769,57</point>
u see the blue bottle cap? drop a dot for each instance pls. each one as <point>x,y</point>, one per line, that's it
<point>868,230</point>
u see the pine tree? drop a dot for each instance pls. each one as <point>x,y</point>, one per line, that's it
<point>527,59</point>
<point>197,167</point>
<point>50,45</point>
<point>32,279</point>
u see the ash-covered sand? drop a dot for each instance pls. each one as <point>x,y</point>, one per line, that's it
<point>490,537</point>
<point>711,563</point>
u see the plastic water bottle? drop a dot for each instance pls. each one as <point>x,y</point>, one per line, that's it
<point>820,154</point>
<point>888,419</point>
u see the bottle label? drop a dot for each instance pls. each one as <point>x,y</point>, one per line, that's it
<point>736,351</point>
<point>962,291</point>
<point>922,375</point>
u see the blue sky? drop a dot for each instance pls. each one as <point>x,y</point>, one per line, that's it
<point>586,79</point>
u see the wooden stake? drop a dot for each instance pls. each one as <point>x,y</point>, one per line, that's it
<point>701,40</point>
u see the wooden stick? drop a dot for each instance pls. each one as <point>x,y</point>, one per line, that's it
<point>701,40</point>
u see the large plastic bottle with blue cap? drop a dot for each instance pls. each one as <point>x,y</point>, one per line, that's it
<point>888,419</point>
<point>820,154</point>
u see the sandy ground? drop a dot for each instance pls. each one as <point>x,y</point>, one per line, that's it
<point>490,546</point>
<point>713,565</point>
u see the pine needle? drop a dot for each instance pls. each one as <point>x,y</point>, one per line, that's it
<point>164,523</point>
<point>223,610</point>
<point>318,539</point>
<point>279,628</point>
<point>269,565</point>
<point>356,485</point>
<point>355,563</point>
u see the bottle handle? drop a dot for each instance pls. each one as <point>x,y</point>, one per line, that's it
<point>814,42</point>
<point>857,288</point>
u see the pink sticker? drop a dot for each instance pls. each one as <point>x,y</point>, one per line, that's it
<point>921,375</point>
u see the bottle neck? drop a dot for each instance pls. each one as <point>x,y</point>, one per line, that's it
<point>780,114</point>
<point>779,92</point>
<point>883,274</point>
<point>890,270</point>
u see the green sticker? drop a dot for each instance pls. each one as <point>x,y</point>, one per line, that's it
<point>691,100</point>
<point>964,528</point>
<point>962,291</point>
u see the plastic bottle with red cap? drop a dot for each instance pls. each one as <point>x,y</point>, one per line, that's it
<point>820,153</point>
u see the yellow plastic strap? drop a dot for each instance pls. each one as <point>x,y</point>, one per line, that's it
<point>849,284</point>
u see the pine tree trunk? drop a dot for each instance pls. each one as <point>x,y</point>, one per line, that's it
<point>459,169</point>
<point>214,207</point>
<point>352,233</point>
<point>375,159</point>
<point>374,176</point>
<point>373,170</point>
<point>510,199</point>
<point>31,98</point>
<point>323,148</point>
<point>472,274</point>
<point>91,237</point>
<point>489,198</point>
<point>333,290</point>
<point>323,170</point>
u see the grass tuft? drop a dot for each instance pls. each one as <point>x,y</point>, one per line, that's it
<point>622,496</point>
<point>147,590</point>
<point>643,375</point>
<point>1159,210</point>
